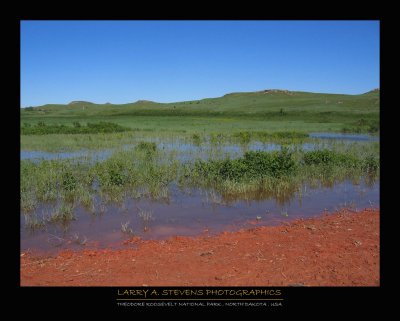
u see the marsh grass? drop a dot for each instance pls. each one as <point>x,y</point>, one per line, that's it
<point>34,222</point>
<point>150,172</point>
<point>148,147</point>
<point>79,240</point>
<point>41,128</point>
<point>64,213</point>
<point>126,229</point>
<point>212,197</point>
<point>196,139</point>
<point>281,175</point>
<point>146,216</point>
<point>145,170</point>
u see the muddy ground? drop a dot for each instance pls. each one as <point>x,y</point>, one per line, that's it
<point>340,249</point>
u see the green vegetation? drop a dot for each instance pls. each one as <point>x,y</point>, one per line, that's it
<point>265,111</point>
<point>140,168</point>
<point>91,128</point>
<point>145,171</point>
<point>253,165</point>
<point>277,174</point>
<point>148,147</point>
<point>362,126</point>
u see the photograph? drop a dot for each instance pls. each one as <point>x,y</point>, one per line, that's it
<point>207,157</point>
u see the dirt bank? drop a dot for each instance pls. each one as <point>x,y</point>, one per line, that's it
<point>333,250</point>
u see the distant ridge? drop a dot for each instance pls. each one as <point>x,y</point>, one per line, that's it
<point>376,90</point>
<point>260,94</point>
<point>143,101</point>
<point>79,102</point>
<point>277,91</point>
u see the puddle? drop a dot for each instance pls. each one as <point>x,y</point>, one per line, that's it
<point>190,215</point>
<point>37,156</point>
<point>350,137</point>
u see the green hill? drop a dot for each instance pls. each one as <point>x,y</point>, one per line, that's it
<point>281,108</point>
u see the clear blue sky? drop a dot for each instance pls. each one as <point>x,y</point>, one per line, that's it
<point>166,61</point>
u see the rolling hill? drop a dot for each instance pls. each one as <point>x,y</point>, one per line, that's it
<point>269,105</point>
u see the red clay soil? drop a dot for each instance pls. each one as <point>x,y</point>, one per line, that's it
<point>340,249</point>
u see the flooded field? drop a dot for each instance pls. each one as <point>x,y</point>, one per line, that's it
<point>191,211</point>
<point>185,150</point>
<point>190,214</point>
<point>341,136</point>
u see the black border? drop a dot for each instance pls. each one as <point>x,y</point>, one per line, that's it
<point>301,299</point>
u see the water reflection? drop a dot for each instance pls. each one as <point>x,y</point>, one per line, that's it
<point>192,212</point>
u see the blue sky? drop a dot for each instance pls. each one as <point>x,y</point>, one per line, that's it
<point>166,61</point>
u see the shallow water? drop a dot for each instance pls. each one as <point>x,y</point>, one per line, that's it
<point>190,214</point>
<point>341,136</point>
<point>186,151</point>
<point>195,212</point>
<point>37,156</point>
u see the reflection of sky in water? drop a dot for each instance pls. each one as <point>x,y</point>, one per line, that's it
<point>189,213</point>
<point>340,136</point>
<point>188,151</point>
<point>38,155</point>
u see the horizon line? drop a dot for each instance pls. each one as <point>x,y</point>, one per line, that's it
<point>180,101</point>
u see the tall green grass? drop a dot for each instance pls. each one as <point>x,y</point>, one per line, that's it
<point>280,173</point>
<point>42,128</point>
<point>149,172</point>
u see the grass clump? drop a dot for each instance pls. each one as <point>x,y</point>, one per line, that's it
<point>148,147</point>
<point>64,213</point>
<point>196,139</point>
<point>370,163</point>
<point>254,164</point>
<point>126,229</point>
<point>146,217</point>
<point>91,128</point>
<point>328,157</point>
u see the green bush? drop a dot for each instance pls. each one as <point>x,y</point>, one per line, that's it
<point>146,146</point>
<point>371,163</point>
<point>68,181</point>
<point>111,173</point>
<point>116,177</point>
<point>252,166</point>
<point>329,157</point>
<point>270,164</point>
<point>196,139</point>
<point>318,157</point>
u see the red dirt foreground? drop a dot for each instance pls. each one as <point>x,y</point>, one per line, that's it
<point>340,249</point>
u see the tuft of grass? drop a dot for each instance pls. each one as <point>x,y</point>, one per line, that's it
<point>125,228</point>
<point>64,213</point>
<point>196,139</point>
<point>33,222</point>
<point>78,240</point>
<point>149,147</point>
<point>146,217</point>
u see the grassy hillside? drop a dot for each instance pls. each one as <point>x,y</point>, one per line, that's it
<point>269,110</point>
